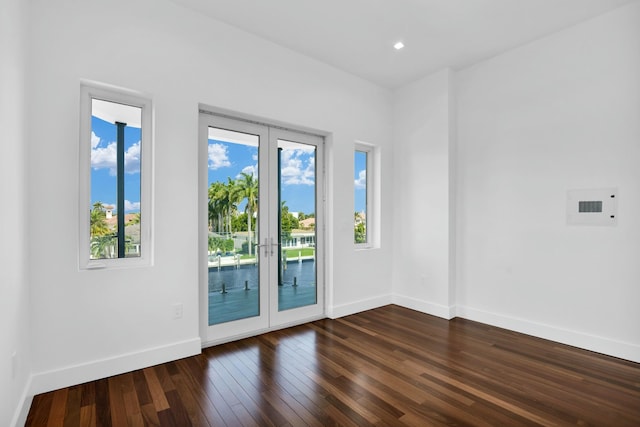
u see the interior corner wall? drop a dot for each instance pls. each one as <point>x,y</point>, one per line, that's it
<point>91,324</point>
<point>558,114</point>
<point>424,218</point>
<point>15,349</point>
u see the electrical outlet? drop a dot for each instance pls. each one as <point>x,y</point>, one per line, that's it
<point>177,311</point>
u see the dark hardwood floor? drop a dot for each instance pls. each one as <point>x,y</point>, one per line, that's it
<point>389,366</point>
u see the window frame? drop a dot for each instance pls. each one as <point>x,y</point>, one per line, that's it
<point>370,151</point>
<point>93,90</point>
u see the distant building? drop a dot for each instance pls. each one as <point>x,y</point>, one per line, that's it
<point>109,211</point>
<point>112,220</point>
<point>307,223</point>
<point>300,239</point>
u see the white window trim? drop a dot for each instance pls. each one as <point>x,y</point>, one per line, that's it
<point>88,91</point>
<point>371,213</point>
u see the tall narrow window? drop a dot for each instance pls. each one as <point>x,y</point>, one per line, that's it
<point>115,134</point>
<point>362,195</point>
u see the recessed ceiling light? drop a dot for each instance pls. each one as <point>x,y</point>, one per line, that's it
<point>398,45</point>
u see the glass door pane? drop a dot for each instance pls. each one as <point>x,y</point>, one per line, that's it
<point>297,268</point>
<point>232,202</point>
<point>296,223</point>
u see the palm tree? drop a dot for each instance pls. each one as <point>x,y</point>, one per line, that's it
<point>287,221</point>
<point>215,211</point>
<point>234,196</point>
<point>359,229</point>
<point>248,187</point>
<point>135,219</point>
<point>223,203</point>
<point>98,220</point>
<point>223,199</point>
<point>104,246</point>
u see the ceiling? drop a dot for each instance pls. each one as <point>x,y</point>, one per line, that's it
<point>357,36</point>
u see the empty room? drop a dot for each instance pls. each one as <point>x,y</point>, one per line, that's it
<point>247,213</point>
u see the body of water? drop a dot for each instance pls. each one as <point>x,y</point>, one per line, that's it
<point>234,278</point>
<point>237,303</point>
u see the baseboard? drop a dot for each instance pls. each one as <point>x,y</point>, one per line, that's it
<point>71,375</point>
<point>598,344</point>
<point>24,404</point>
<point>337,311</point>
<point>423,306</point>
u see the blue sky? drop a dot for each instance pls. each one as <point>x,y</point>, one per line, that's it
<point>225,160</point>
<point>228,160</point>
<point>298,172</point>
<point>103,165</point>
<point>360,181</point>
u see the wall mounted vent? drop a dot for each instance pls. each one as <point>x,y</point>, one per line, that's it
<point>592,207</point>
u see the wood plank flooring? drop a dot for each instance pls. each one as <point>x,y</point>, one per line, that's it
<point>388,366</point>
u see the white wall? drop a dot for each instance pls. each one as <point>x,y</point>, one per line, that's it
<point>14,290</point>
<point>93,323</point>
<point>557,114</point>
<point>423,219</point>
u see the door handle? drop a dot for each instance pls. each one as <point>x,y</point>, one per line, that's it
<point>265,246</point>
<point>272,245</point>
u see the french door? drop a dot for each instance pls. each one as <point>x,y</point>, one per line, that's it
<point>261,216</point>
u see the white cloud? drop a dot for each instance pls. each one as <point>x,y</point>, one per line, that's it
<point>131,206</point>
<point>128,206</point>
<point>295,169</point>
<point>132,159</point>
<point>218,156</point>
<point>95,140</point>
<point>250,170</point>
<point>361,182</point>
<point>106,157</point>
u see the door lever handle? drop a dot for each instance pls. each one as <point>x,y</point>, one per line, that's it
<point>272,245</point>
<point>265,246</point>
<point>268,243</point>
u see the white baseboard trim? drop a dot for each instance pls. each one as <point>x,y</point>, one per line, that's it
<point>337,311</point>
<point>43,382</point>
<point>24,404</point>
<point>598,344</point>
<point>423,306</point>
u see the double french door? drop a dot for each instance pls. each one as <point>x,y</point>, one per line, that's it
<point>261,216</point>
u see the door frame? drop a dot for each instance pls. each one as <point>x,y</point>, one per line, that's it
<point>254,326</point>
